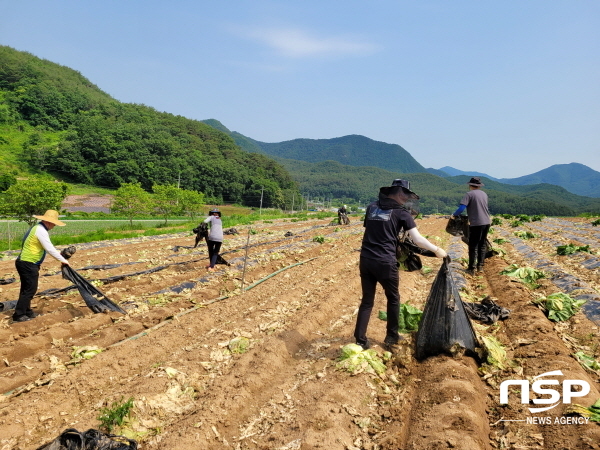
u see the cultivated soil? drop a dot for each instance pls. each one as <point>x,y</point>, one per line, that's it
<point>171,352</point>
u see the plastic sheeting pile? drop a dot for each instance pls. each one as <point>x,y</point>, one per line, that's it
<point>71,439</point>
<point>488,311</point>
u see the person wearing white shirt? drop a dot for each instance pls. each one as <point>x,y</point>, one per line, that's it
<point>36,244</point>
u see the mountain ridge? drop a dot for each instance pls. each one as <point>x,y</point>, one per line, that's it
<point>328,179</point>
<point>575,177</point>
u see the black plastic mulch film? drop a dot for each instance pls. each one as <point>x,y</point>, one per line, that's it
<point>445,326</point>
<point>69,251</point>
<point>564,281</point>
<point>93,298</point>
<point>71,439</point>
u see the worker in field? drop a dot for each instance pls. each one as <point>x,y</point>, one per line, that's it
<point>36,244</point>
<point>476,203</point>
<point>343,215</point>
<point>384,220</point>
<point>215,237</point>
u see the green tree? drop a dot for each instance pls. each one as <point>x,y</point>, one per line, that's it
<point>166,200</point>
<point>6,181</point>
<point>191,202</point>
<point>131,200</point>
<point>28,197</point>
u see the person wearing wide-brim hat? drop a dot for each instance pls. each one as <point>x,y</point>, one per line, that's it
<point>36,244</point>
<point>385,219</point>
<point>476,203</point>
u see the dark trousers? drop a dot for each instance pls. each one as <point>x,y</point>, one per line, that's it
<point>213,251</point>
<point>477,245</point>
<point>29,274</point>
<point>371,273</point>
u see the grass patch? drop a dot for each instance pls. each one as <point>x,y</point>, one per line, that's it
<point>114,416</point>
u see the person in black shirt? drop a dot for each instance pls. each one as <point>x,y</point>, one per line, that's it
<point>342,215</point>
<point>384,220</point>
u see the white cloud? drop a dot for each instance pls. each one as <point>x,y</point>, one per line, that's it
<point>296,43</point>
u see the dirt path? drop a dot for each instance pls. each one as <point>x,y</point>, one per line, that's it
<point>171,354</point>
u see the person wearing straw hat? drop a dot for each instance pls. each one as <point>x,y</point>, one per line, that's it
<point>385,219</point>
<point>476,203</point>
<point>36,243</point>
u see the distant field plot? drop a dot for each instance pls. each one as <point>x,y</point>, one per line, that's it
<point>13,231</point>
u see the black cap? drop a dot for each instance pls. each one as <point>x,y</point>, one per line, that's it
<point>404,184</point>
<point>475,181</point>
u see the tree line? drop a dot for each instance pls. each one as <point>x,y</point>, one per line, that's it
<point>26,198</point>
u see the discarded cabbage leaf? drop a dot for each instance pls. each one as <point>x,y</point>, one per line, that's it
<point>85,352</point>
<point>569,249</point>
<point>497,251</point>
<point>527,275</point>
<point>350,350</point>
<point>355,360</point>
<point>496,354</point>
<point>239,345</point>
<point>559,306</point>
<point>587,361</point>
<point>592,413</point>
<point>525,234</point>
<point>409,318</point>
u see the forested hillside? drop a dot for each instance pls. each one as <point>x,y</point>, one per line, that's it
<point>53,120</point>
<point>330,179</point>
<point>354,150</point>
<point>350,184</point>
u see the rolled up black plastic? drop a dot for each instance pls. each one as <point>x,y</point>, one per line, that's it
<point>445,326</point>
<point>7,306</point>
<point>93,298</point>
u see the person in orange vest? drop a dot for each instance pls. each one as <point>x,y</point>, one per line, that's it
<point>36,243</point>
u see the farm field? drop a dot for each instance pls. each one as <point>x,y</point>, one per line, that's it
<point>12,231</point>
<point>172,352</point>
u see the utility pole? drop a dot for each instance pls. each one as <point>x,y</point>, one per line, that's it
<point>261,199</point>
<point>293,198</point>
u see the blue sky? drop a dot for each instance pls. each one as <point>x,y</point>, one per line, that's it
<point>506,88</point>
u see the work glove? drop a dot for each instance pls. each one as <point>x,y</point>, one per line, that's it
<point>440,252</point>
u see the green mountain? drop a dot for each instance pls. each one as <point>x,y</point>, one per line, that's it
<point>329,179</point>
<point>55,121</point>
<point>452,172</point>
<point>574,177</point>
<point>354,150</point>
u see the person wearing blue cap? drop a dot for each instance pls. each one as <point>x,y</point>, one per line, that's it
<point>384,220</point>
